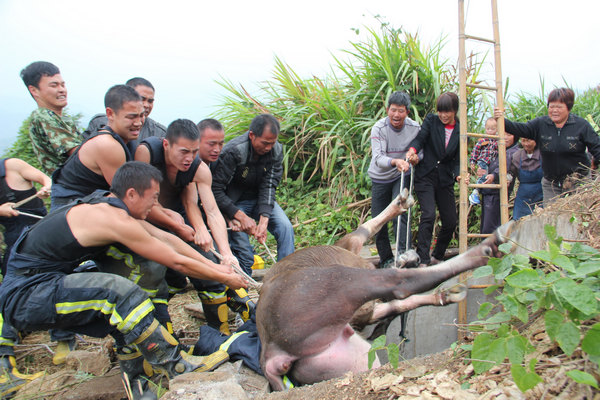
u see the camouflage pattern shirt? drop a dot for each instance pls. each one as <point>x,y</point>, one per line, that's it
<point>52,137</point>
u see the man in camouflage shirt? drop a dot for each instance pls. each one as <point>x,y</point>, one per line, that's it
<point>53,137</point>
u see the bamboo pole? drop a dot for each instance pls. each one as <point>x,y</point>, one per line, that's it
<point>463,206</point>
<point>500,125</point>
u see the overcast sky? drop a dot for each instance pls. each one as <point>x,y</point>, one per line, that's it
<point>182,47</point>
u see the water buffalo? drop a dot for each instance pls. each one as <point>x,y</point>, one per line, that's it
<point>310,299</point>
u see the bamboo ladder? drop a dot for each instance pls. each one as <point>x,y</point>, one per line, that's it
<point>464,135</point>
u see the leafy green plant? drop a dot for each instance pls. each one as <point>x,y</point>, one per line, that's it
<point>326,121</point>
<point>393,351</point>
<point>565,289</point>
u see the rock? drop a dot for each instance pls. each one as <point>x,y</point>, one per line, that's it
<point>230,381</point>
<point>72,385</point>
<point>91,363</point>
<point>47,384</point>
<point>195,310</point>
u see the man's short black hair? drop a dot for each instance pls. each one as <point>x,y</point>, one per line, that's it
<point>118,95</point>
<point>209,123</point>
<point>260,122</point>
<point>399,99</point>
<point>32,73</point>
<point>137,81</point>
<point>447,101</point>
<point>182,128</point>
<point>136,175</point>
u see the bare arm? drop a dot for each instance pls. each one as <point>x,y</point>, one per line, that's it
<point>27,174</point>
<point>103,155</point>
<point>114,225</point>
<point>214,218</point>
<point>189,198</point>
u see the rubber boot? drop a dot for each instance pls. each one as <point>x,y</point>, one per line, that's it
<point>239,301</point>
<point>136,372</point>
<point>165,354</point>
<point>11,380</point>
<point>216,313</point>
<point>63,348</point>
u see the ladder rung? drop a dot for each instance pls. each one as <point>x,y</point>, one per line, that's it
<point>473,85</point>
<point>479,38</point>
<point>484,185</point>
<point>483,135</point>
<point>479,235</point>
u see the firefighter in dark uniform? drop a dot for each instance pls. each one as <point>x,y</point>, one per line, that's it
<point>41,292</point>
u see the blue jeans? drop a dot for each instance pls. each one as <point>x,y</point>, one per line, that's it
<point>279,226</point>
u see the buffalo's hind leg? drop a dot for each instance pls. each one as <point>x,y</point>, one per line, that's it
<point>354,241</point>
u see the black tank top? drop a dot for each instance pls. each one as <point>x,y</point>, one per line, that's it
<point>76,176</point>
<point>170,193</point>
<point>51,238</point>
<point>14,225</point>
<point>7,194</point>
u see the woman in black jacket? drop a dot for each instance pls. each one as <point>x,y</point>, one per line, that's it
<point>563,139</point>
<point>435,176</point>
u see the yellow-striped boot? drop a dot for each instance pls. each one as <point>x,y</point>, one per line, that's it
<point>165,354</point>
<point>11,380</point>
<point>239,301</point>
<point>136,372</point>
<point>216,313</point>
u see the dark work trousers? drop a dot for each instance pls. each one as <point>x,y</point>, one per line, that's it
<point>490,211</point>
<point>382,195</point>
<point>177,281</point>
<point>429,194</point>
<point>147,274</point>
<point>90,303</point>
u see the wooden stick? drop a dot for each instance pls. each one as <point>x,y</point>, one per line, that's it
<point>29,214</point>
<point>27,200</point>
<point>127,385</point>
